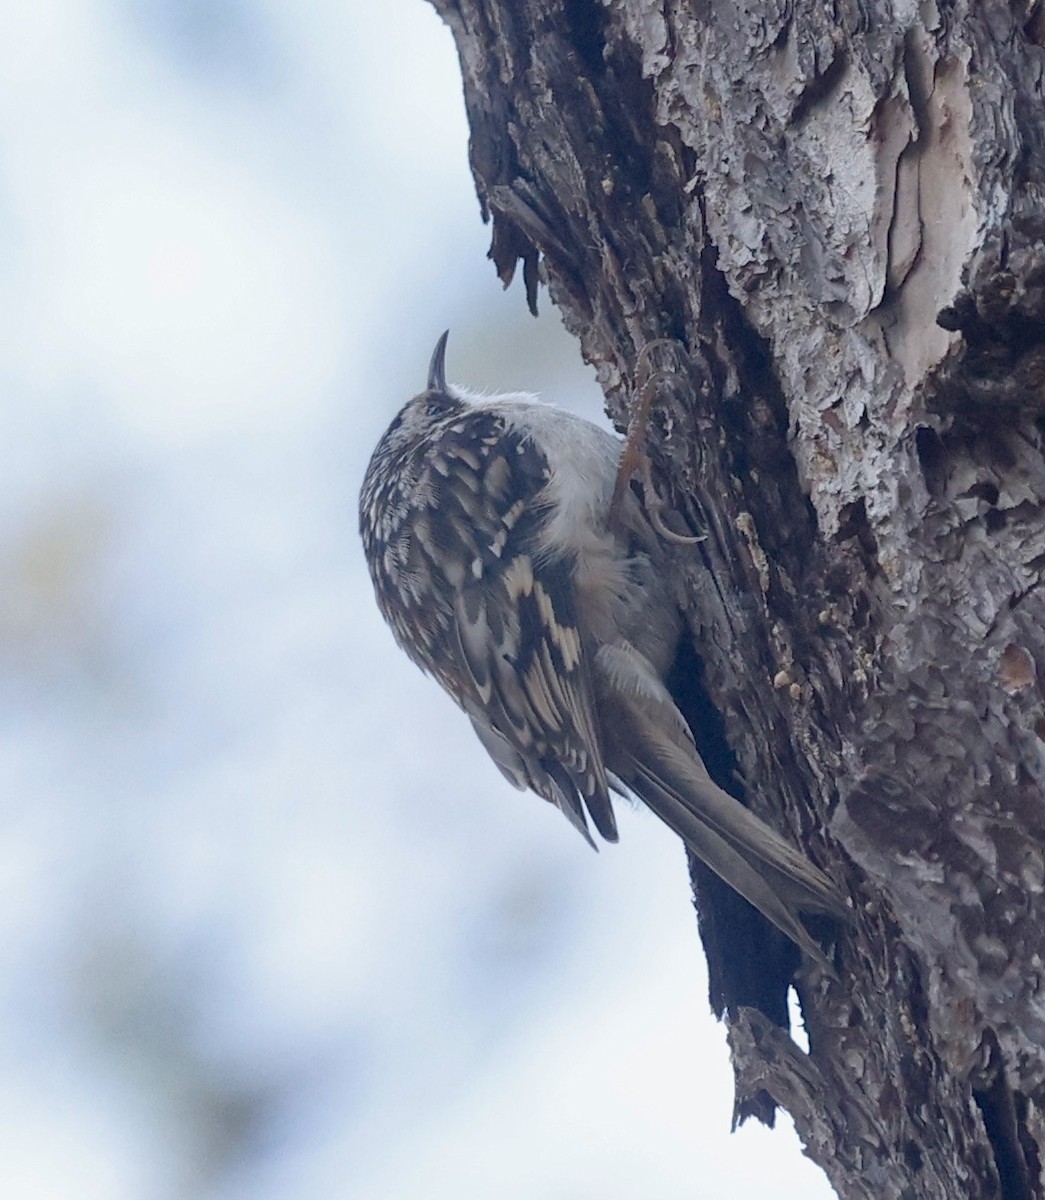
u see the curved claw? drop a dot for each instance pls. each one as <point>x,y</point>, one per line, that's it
<point>654,506</point>
<point>634,459</point>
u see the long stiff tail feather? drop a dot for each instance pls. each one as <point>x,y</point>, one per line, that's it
<point>659,763</point>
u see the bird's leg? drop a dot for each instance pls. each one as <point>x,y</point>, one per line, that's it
<point>634,459</point>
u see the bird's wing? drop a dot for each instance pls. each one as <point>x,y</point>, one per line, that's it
<point>508,642</point>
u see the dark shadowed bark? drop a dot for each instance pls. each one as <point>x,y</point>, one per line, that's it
<point>813,233</point>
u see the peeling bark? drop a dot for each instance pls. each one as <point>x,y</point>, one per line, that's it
<point>760,210</point>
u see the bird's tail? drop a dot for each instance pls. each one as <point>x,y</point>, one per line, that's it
<point>654,756</point>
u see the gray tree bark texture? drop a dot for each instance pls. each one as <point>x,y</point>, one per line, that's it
<point>811,233</point>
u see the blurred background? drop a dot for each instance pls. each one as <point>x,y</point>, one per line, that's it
<point>271,925</point>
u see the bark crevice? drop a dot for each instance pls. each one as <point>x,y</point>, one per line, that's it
<point>764,207</point>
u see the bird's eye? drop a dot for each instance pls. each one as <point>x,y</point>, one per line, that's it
<point>437,404</point>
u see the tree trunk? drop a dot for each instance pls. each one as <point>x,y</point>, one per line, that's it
<point>812,234</point>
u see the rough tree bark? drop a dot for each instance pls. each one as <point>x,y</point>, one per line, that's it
<point>814,230</point>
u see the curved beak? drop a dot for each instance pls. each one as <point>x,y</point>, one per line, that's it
<point>437,367</point>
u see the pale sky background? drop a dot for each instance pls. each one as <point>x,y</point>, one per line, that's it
<point>271,925</point>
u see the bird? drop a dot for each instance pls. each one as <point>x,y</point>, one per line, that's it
<point>514,569</point>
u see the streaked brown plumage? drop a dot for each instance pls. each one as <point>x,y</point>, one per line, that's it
<point>485,527</point>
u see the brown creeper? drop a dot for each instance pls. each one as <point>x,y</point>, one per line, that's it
<point>485,527</point>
